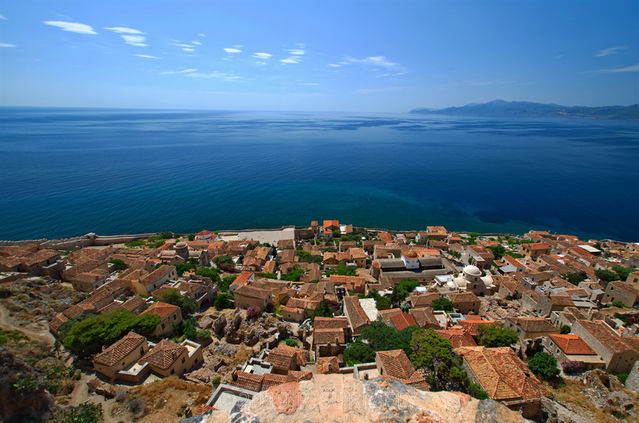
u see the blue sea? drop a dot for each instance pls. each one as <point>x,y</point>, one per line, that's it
<point>67,172</point>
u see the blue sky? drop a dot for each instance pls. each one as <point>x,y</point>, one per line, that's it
<point>374,56</point>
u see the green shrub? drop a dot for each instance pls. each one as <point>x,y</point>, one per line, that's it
<point>291,342</point>
<point>494,336</point>
<point>544,365</point>
<point>84,413</point>
<point>476,391</point>
<point>137,243</point>
<point>173,296</point>
<point>565,329</point>
<point>618,304</point>
<point>443,304</point>
<point>222,301</point>
<point>358,352</point>
<point>118,264</point>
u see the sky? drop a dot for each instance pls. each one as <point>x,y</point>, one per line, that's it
<point>361,56</point>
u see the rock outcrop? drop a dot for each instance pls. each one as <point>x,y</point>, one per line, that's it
<point>341,398</point>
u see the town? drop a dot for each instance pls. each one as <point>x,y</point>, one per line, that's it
<point>545,324</point>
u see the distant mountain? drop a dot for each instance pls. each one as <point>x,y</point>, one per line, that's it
<point>501,108</point>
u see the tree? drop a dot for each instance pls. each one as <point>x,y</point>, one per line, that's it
<point>544,365</point>
<point>564,329</point>
<point>575,278</point>
<point>358,352</point>
<point>209,272</point>
<point>442,304</point>
<point>323,310</point>
<point>606,275</point>
<point>225,283</point>
<point>403,290</point>
<point>293,275</point>
<point>118,264</point>
<point>89,335</point>
<point>622,272</point>
<point>344,270</point>
<point>498,251</point>
<point>494,336</point>
<point>222,301</point>
<point>182,268</point>
<point>476,391</point>
<point>434,355</point>
<point>382,303</point>
<point>173,296</point>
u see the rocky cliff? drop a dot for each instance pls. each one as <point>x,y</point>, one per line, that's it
<point>339,398</point>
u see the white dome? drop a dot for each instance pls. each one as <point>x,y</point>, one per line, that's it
<point>472,270</point>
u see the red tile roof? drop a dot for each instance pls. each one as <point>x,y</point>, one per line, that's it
<point>164,354</point>
<point>457,336</point>
<point>242,279</point>
<point>161,309</point>
<point>120,349</point>
<point>403,320</point>
<point>572,344</point>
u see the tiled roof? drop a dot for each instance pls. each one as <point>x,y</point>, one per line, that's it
<point>606,336</point>
<point>403,320</point>
<point>535,324</point>
<point>250,381</point>
<point>457,336</point>
<point>356,314</point>
<point>272,379</point>
<point>501,374</point>
<point>164,354</point>
<point>242,279</point>
<point>303,303</point>
<point>462,297</point>
<point>472,326</point>
<point>134,302</point>
<point>330,323</point>
<point>537,246</point>
<point>561,300</point>
<point>327,365</point>
<point>253,292</point>
<point>329,336</point>
<point>111,307</point>
<point>296,376</point>
<point>396,363</point>
<point>161,309</point>
<point>424,317</point>
<point>624,287</point>
<point>285,357</point>
<point>120,349</point>
<point>423,300</point>
<point>572,344</point>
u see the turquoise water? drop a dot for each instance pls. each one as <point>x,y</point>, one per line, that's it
<point>71,171</point>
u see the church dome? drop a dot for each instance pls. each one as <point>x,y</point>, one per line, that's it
<point>411,255</point>
<point>180,245</point>
<point>472,271</point>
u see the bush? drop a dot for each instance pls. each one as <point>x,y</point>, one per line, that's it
<point>622,272</point>
<point>173,296</point>
<point>622,377</point>
<point>137,243</point>
<point>89,335</point>
<point>293,275</point>
<point>216,380</point>
<point>571,367</point>
<point>83,413</point>
<point>225,283</point>
<point>618,304</point>
<point>358,352</point>
<point>606,276</point>
<point>118,264</point>
<point>209,272</point>
<point>222,301</point>
<point>137,407</point>
<point>403,290</point>
<point>575,278</point>
<point>435,356</point>
<point>182,268</point>
<point>253,311</point>
<point>443,304</point>
<point>343,270</point>
<point>565,329</point>
<point>323,310</point>
<point>494,336</point>
<point>476,391</point>
<point>544,365</point>
<point>291,342</point>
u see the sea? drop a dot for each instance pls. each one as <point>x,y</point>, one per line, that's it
<point>67,172</point>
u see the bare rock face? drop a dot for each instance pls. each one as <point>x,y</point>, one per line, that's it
<point>219,325</point>
<point>341,398</point>
<point>234,324</point>
<point>226,349</point>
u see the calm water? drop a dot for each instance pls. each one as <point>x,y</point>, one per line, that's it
<point>66,172</point>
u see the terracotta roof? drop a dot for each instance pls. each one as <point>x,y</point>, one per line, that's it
<point>462,297</point>
<point>403,320</point>
<point>303,303</point>
<point>537,246</point>
<point>424,317</point>
<point>134,302</point>
<point>120,349</point>
<point>242,279</point>
<point>501,374</point>
<point>161,309</point>
<point>272,379</point>
<point>457,336</point>
<point>423,300</point>
<point>624,287</point>
<point>396,363</point>
<point>164,354</point>
<point>385,236</point>
<point>331,223</point>
<point>253,292</point>
<point>327,365</point>
<point>472,326</point>
<point>572,344</point>
<point>250,381</point>
<point>356,314</point>
<point>606,336</point>
<point>296,376</point>
<point>329,336</point>
<point>330,323</point>
<point>285,357</point>
<point>535,324</point>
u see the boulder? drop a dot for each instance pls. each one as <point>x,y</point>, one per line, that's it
<point>226,349</point>
<point>219,325</point>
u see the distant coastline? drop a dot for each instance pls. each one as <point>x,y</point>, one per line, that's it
<point>525,109</point>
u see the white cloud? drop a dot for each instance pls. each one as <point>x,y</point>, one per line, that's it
<point>146,56</point>
<point>263,56</point>
<point>610,50</point>
<point>216,75</point>
<point>297,52</point>
<point>124,30</point>
<point>631,68</point>
<point>291,60</point>
<point>309,84</point>
<point>78,28</point>
<point>334,65</point>
<point>232,50</point>
<point>3,18</point>
<point>379,64</point>
<point>202,35</point>
<point>197,43</point>
<point>135,40</point>
<point>7,45</point>
<point>190,70</point>
<point>188,49</point>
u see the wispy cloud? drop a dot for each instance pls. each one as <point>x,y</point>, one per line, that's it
<point>135,40</point>
<point>291,60</point>
<point>78,28</point>
<point>610,50</point>
<point>3,18</point>
<point>631,68</point>
<point>189,48</point>
<point>297,52</point>
<point>378,90</point>
<point>232,50</point>
<point>379,64</point>
<point>146,56</point>
<point>309,84</point>
<point>190,70</point>
<point>215,75</point>
<point>124,30</point>
<point>7,45</point>
<point>197,43</point>
<point>201,34</point>
<point>262,56</point>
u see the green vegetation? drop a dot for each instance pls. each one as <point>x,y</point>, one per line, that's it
<point>623,272</point>
<point>87,412</point>
<point>173,296</point>
<point>222,301</point>
<point>494,336</point>
<point>137,243</point>
<point>544,365</point>
<point>209,272</point>
<point>293,275</point>
<point>575,278</point>
<point>224,284</point>
<point>443,304</point>
<point>15,335</point>
<point>403,290</point>
<point>343,270</point>
<point>622,377</point>
<point>182,268</point>
<point>323,310</point>
<point>618,304</point>
<point>118,264</point>
<point>358,352</point>
<point>291,342</point>
<point>186,329</point>
<point>306,257</point>
<point>89,335</point>
<point>267,275</point>
<point>565,329</point>
<point>160,237</point>
<point>381,337</point>
<point>606,275</point>
<point>498,251</point>
<point>156,244</point>
<point>455,254</point>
